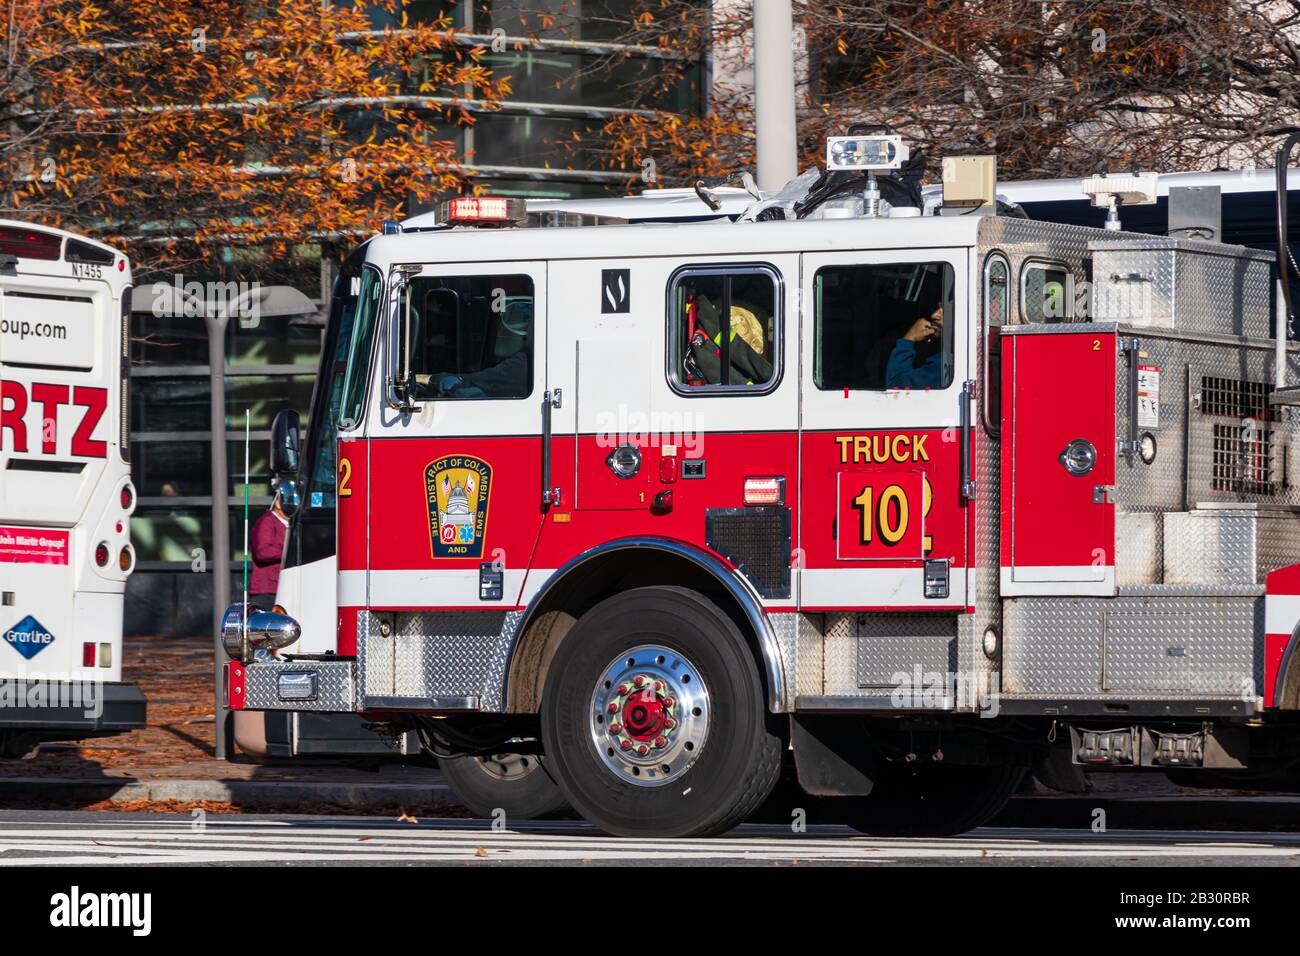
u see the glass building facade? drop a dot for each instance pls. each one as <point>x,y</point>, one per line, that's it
<point>556,53</point>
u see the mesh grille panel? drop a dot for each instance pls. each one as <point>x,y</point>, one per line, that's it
<point>755,540</point>
<point>1234,397</point>
<point>1243,460</point>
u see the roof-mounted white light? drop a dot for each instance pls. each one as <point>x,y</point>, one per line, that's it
<point>863,153</point>
<point>1129,189</point>
<point>484,211</point>
<point>870,155</point>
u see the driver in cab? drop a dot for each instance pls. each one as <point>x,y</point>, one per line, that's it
<point>917,359</point>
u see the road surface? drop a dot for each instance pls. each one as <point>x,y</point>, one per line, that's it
<point>68,838</point>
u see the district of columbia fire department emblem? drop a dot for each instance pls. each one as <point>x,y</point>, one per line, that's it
<point>456,489</point>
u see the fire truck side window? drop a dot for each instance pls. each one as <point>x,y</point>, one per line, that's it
<point>471,336</point>
<point>1046,293</point>
<point>359,350</point>
<point>724,329</point>
<point>996,299</point>
<point>883,326</point>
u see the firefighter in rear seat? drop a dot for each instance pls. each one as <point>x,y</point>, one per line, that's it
<point>749,363</point>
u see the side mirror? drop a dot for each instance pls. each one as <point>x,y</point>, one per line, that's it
<point>284,444</point>
<point>400,383</point>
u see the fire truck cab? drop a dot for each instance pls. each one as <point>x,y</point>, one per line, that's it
<point>918,500</point>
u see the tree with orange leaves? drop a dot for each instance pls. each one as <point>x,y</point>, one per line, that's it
<point>174,127</point>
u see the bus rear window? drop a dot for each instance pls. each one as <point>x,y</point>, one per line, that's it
<point>29,243</point>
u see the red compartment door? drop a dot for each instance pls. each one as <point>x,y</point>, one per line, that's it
<point>1058,462</point>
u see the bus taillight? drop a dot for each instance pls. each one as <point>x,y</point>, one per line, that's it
<point>102,554</point>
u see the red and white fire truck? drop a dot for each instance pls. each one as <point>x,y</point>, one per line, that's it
<point>911,496</point>
<point>65,490</point>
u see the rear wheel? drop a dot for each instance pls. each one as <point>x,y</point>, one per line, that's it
<point>517,784</point>
<point>932,800</point>
<point>653,717</point>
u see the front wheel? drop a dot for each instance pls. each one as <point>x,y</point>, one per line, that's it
<point>931,800</point>
<point>653,717</point>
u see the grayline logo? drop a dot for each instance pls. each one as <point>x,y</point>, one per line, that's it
<point>76,909</point>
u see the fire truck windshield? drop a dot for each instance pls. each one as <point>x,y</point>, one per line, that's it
<point>320,450</point>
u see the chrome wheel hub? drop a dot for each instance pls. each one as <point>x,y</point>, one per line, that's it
<point>649,715</point>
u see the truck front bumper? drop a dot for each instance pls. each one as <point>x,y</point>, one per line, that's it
<point>329,686</point>
<point>70,710</point>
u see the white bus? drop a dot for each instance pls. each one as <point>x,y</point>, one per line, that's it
<point>65,488</point>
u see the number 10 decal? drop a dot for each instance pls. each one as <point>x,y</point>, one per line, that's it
<point>882,515</point>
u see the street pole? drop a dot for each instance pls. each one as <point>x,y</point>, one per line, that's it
<point>774,93</point>
<point>219,558</point>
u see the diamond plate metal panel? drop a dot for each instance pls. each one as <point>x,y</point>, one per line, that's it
<point>1137,548</point>
<point>375,660</point>
<point>890,644</point>
<point>785,627</point>
<point>437,654</point>
<point>864,652</point>
<point>808,671</point>
<point>1133,646</point>
<point>1161,282</point>
<point>1051,646</point>
<point>840,655</point>
<point>1228,546</point>
<point>336,685</point>
<point>1184,646</point>
<point>454,653</point>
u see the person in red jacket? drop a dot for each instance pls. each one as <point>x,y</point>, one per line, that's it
<point>266,540</point>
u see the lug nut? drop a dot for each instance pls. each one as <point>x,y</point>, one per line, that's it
<point>639,680</point>
<point>613,707</point>
<point>623,689</point>
<point>616,728</point>
<point>625,744</point>
<point>661,742</point>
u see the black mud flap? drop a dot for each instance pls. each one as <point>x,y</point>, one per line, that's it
<point>832,755</point>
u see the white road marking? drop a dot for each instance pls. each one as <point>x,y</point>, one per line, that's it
<point>155,842</point>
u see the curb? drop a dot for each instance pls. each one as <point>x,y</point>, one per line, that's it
<point>243,792</point>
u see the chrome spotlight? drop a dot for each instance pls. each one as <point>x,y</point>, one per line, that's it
<point>267,630</point>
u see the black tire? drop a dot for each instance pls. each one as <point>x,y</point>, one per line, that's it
<point>932,800</point>
<point>519,784</point>
<point>700,789</point>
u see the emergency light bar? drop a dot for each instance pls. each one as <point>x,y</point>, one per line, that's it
<point>865,152</point>
<point>484,211</point>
